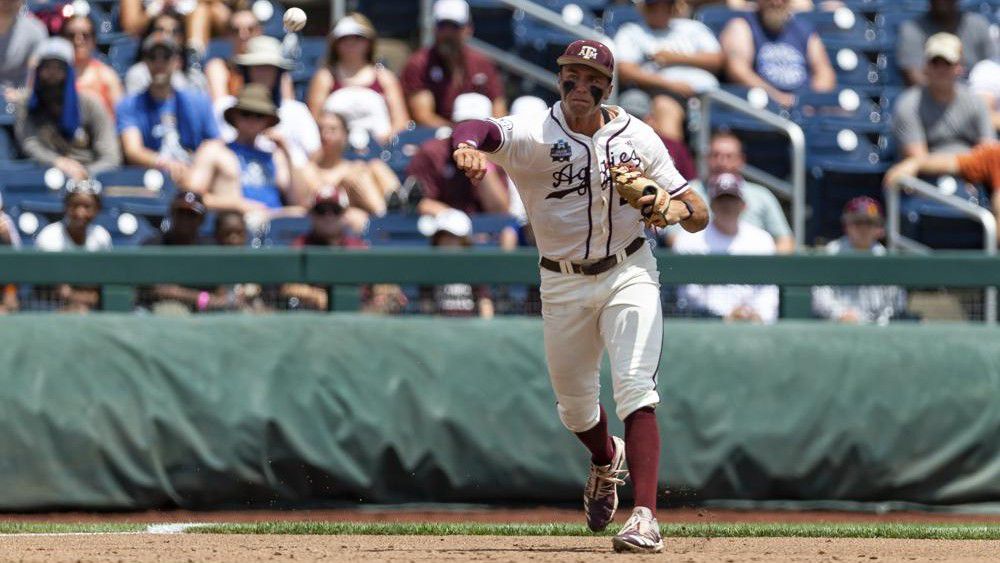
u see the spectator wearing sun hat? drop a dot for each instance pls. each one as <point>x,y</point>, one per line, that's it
<point>241,177</point>
<point>353,84</point>
<point>436,75</point>
<point>264,63</point>
<point>863,227</point>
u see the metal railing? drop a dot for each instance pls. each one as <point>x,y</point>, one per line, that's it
<point>896,240</point>
<point>516,64</point>
<point>794,190</point>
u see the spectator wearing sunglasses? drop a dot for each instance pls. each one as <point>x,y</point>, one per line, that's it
<point>77,231</point>
<point>435,76</point>
<point>92,76</point>
<point>163,127</point>
<point>241,177</point>
<point>185,77</point>
<point>58,127</point>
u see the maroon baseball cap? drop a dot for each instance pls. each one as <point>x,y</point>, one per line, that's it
<point>863,208</point>
<point>725,184</point>
<point>594,54</point>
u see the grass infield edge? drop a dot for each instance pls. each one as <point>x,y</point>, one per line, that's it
<point>947,531</point>
<point>68,528</point>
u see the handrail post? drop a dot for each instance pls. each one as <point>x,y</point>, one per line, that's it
<point>892,212</point>
<point>985,218</point>
<point>426,23</point>
<point>338,10</point>
<point>704,136</point>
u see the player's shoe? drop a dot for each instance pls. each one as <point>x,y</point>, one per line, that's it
<point>600,496</point>
<point>640,534</point>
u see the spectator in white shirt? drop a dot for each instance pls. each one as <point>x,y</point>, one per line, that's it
<point>672,58</point>
<point>862,220</point>
<point>76,231</point>
<point>984,81</point>
<point>728,234</point>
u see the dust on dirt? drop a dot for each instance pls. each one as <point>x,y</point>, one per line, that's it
<point>143,548</point>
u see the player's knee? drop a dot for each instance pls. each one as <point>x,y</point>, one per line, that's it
<point>579,417</point>
<point>632,400</point>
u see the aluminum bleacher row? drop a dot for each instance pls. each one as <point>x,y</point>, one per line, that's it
<point>848,131</point>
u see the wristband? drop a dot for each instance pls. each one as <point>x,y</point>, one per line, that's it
<point>690,210</point>
<point>203,299</point>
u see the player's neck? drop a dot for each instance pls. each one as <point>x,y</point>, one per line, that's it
<point>587,124</point>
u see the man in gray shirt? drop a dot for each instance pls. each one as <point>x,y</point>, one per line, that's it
<point>944,15</point>
<point>943,116</point>
<point>725,156</point>
<point>20,36</point>
<point>56,126</point>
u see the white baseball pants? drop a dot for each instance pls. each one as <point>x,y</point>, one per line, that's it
<point>618,310</point>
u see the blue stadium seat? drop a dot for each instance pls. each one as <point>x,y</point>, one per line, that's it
<point>8,148</point>
<point>51,207</point>
<point>219,48</point>
<point>403,146</point>
<point>130,184</point>
<point>853,67</point>
<point>836,107</point>
<point>8,113</point>
<point>940,226</point>
<point>716,16</point>
<point>395,230</point>
<point>154,213</point>
<point>392,19</point>
<point>125,229</point>
<point>311,52</point>
<point>274,26</point>
<point>831,183</point>
<point>122,53</point>
<point>282,231</point>
<point>486,227</point>
<point>23,177</point>
<point>492,23</point>
<point>617,15</point>
<point>541,43</point>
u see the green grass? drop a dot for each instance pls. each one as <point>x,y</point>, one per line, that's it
<point>721,530</point>
<point>66,528</point>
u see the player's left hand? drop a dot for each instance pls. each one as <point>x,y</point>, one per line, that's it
<point>471,161</point>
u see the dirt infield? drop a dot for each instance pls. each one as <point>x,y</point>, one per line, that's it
<point>144,548</point>
<point>494,515</point>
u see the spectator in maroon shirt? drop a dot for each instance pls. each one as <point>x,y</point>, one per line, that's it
<point>444,186</point>
<point>436,75</point>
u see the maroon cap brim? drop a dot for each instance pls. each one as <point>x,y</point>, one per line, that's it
<point>572,60</point>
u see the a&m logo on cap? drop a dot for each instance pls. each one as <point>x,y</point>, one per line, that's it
<point>588,52</point>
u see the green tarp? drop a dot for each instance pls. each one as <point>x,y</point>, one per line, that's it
<point>129,412</point>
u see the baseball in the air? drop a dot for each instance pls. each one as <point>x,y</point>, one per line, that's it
<point>294,20</point>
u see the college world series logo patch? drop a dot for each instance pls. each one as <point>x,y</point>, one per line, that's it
<point>561,151</point>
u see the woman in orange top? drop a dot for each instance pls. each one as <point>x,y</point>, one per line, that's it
<point>92,76</point>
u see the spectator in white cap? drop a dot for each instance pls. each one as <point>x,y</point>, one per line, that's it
<point>727,233</point>
<point>453,229</point>
<point>943,115</point>
<point>351,78</point>
<point>973,30</point>
<point>265,64</point>
<point>58,127</point>
<point>984,79</point>
<point>436,75</point>
<point>443,186</point>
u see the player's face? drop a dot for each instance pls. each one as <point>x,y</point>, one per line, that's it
<point>725,156</point>
<point>583,88</point>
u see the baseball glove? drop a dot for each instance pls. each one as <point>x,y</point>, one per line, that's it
<point>632,185</point>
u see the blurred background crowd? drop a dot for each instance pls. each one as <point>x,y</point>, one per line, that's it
<point>190,122</point>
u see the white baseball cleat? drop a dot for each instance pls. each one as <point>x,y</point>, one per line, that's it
<point>640,534</point>
<point>600,496</point>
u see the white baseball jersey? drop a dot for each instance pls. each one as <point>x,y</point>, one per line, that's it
<point>565,185</point>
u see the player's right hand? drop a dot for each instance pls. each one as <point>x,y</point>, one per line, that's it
<point>471,161</point>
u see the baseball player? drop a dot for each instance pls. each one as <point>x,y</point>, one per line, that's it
<point>590,175</point>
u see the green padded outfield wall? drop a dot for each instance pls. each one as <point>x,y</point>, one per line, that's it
<point>128,412</point>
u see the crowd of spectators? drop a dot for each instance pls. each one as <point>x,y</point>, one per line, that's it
<point>245,142</point>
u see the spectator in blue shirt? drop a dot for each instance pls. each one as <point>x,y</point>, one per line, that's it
<point>774,50</point>
<point>163,127</point>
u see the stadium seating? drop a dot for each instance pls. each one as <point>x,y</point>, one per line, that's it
<point>942,227</point>
<point>282,231</point>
